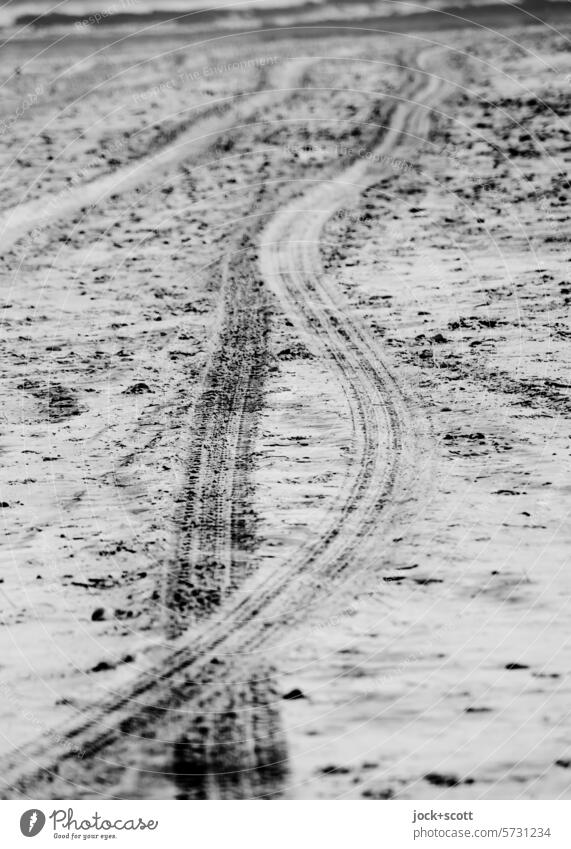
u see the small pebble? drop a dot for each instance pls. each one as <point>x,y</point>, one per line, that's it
<point>294,694</point>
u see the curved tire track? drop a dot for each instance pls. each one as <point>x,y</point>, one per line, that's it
<point>383,434</point>
<point>194,138</point>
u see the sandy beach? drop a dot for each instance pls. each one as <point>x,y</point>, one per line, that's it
<point>285,425</point>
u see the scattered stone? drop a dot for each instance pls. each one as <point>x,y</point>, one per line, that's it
<point>61,402</point>
<point>294,694</point>
<point>98,614</point>
<point>442,780</point>
<point>379,794</point>
<point>102,666</point>
<point>297,351</point>
<point>138,389</point>
<point>334,770</point>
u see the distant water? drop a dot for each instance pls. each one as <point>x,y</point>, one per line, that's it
<point>12,9</point>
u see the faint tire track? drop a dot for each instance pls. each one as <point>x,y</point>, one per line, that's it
<point>197,138</point>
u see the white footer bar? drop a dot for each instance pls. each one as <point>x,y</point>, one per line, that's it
<point>283,825</point>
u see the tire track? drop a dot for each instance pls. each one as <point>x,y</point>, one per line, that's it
<point>215,534</point>
<point>162,702</point>
<point>291,263</point>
